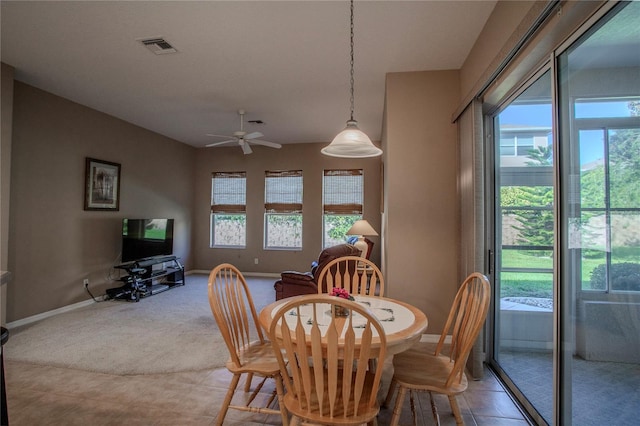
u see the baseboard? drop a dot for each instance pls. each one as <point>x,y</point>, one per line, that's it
<point>261,274</point>
<point>48,314</point>
<point>246,274</point>
<point>433,338</point>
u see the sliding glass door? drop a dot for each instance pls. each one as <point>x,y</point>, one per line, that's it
<point>566,329</point>
<point>524,218</point>
<point>599,268</point>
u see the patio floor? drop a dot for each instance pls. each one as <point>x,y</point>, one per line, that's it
<point>602,392</point>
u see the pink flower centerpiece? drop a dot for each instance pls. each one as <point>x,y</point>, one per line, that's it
<point>341,292</point>
<point>344,294</point>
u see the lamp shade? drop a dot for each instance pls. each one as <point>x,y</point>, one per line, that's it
<point>352,143</point>
<point>361,227</point>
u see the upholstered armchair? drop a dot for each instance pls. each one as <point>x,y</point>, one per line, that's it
<point>293,283</point>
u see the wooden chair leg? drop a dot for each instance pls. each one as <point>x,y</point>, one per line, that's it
<point>247,385</point>
<point>397,409</point>
<point>412,403</point>
<point>456,409</point>
<point>227,399</point>
<point>283,410</point>
<point>392,389</point>
<point>434,409</point>
<point>255,391</point>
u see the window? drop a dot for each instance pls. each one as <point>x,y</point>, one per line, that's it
<point>516,145</point>
<point>608,225</point>
<point>283,209</point>
<point>343,194</point>
<point>228,209</point>
<point>523,144</point>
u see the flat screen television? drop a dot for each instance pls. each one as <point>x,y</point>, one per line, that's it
<point>142,238</point>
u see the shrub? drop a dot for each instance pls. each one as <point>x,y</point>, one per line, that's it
<point>623,277</point>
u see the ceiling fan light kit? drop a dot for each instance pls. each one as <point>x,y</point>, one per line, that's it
<point>351,142</point>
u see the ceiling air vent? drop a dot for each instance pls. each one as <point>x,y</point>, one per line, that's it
<point>158,45</point>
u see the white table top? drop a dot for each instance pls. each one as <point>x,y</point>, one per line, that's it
<point>403,323</point>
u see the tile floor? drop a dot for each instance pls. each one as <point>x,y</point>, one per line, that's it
<point>41,395</point>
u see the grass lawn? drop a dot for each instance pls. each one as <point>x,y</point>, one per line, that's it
<point>540,284</point>
<point>526,284</point>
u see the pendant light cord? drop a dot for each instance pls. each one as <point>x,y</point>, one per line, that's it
<point>352,142</point>
<point>352,79</point>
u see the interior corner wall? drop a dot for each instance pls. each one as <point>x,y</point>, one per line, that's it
<point>6,109</point>
<point>421,201</point>
<point>53,242</point>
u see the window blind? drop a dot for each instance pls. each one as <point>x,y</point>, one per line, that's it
<point>229,192</point>
<point>283,191</point>
<point>343,191</point>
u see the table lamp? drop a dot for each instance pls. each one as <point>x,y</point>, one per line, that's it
<point>362,228</point>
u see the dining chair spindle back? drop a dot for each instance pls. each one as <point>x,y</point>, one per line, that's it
<point>231,304</point>
<point>329,382</point>
<point>422,369</point>
<point>355,274</point>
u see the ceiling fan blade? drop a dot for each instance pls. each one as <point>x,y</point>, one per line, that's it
<point>219,143</point>
<point>245,147</point>
<point>266,143</point>
<point>253,135</point>
<point>220,136</point>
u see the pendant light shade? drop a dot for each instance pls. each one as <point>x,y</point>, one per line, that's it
<point>352,142</point>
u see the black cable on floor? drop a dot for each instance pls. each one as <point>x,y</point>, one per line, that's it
<point>86,287</point>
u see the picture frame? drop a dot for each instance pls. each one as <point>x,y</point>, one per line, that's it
<point>102,185</point>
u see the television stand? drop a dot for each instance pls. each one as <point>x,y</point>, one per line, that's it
<point>148,276</point>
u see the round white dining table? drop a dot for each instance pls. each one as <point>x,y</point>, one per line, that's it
<point>403,324</point>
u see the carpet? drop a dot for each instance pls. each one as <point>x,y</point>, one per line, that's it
<point>169,332</point>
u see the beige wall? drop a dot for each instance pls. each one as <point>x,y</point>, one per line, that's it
<point>305,157</point>
<point>53,242</point>
<point>421,203</point>
<point>494,42</point>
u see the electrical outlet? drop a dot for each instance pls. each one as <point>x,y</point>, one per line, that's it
<point>85,282</point>
<point>255,260</point>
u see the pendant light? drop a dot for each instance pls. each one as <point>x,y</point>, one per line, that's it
<point>351,142</point>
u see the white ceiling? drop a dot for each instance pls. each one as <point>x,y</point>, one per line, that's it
<point>285,62</point>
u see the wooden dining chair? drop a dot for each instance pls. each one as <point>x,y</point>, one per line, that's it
<point>422,369</point>
<point>325,384</point>
<point>231,305</point>
<point>359,276</point>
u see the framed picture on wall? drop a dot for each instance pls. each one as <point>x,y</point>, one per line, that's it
<point>102,185</point>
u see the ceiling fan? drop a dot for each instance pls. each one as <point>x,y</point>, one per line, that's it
<point>243,138</point>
